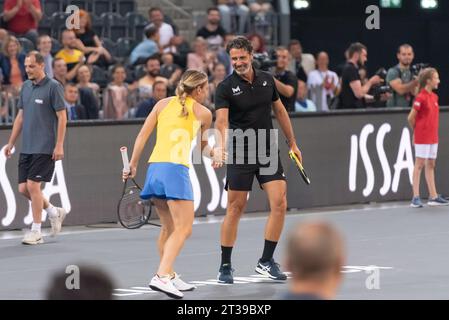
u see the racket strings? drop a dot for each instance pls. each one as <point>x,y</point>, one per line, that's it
<point>132,208</point>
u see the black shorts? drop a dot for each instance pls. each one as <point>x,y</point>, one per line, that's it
<point>240,177</point>
<point>36,167</point>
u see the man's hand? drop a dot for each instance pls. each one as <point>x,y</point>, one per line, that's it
<point>58,153</point>
<point>219,157</point>
<point>375,80</point>
<point>9,150</point>
<point>296,151</point>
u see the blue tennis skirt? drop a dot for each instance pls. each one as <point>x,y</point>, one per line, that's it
<point>168,181</point>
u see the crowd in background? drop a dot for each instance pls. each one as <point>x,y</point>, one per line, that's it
<point>100,85</point>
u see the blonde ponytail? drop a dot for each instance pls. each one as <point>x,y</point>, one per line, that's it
<point>190,80</point>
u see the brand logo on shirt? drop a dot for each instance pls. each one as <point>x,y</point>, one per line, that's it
<point>264,83</point>
<point>39,101</point>
<point>236,91</point>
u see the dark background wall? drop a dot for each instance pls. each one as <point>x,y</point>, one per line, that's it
<point>332,25</point>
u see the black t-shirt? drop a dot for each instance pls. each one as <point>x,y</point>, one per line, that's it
<point>300,73</point>
<point>249,105</point>
<point>348,100</point>
<point>288,78</point>
<point>205,33</point>
<point>87,38</point>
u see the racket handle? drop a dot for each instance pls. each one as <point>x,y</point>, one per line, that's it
<point>124,152</point>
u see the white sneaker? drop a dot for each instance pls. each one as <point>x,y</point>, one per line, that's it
<point>33,237</point>
<point>56,222</point>
<point>181,285</point>
<point>163,284</point>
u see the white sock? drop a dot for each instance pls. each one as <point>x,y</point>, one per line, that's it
<point>36,227</point>
<point>51,211</point>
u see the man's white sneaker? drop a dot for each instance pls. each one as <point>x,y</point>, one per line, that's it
<point>181,285</point>
<point>56,222</point>
<point>33,237</point>
<point>163,284</point>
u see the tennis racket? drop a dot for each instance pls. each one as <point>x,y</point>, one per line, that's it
<point>299,166</point>
<point>132,211</point>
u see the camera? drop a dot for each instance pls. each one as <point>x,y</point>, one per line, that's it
<point>263,61</point>
<point>380,90</point>
<point>416,68</point>
<point>382,73</point>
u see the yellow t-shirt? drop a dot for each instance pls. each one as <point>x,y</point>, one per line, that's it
<point>175,133</point>
<point>70,57</point>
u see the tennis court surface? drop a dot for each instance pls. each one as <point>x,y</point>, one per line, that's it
<point>393,252</point>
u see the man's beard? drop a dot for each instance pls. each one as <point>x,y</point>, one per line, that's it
<point>154,74</point>
<point>242,70</point>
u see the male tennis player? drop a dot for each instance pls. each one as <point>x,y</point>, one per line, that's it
<point>167,182</point>
<point>244,102</point>
<point>42,116</point>
<point>423,119</point>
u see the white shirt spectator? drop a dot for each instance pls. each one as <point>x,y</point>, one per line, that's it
<point>166,32</point>
<point>317,92</point>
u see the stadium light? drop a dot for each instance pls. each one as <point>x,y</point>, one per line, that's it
<point>301,4</point>
<point>429,4</point>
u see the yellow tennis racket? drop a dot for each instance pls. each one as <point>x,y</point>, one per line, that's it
<point>299,166</point>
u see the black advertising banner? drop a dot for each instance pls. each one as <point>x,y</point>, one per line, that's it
<point>350,157</point>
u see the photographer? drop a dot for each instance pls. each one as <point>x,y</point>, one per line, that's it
<point>286,82</point>
<point>353,93</point>
<point>401,79</point>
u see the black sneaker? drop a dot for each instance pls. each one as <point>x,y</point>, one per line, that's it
<point>225,274</point>
<point>271,270</point>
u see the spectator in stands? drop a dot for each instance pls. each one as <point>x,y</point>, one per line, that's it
<point>302,63</point>
<point>218,75</point>
<point>3,35</point>
<point>89,43</point>
<point>144,107</point>
<point>353,93</point>
<point>401,79</point>
<point>12,64</point>
<point>285,80</point>
<point>90,102</point>
<point>75,111</point>
<point>22,18</point>
<point>72,56</point>
<point>230,9</point>
<point>167,38</point>
<point>212,32</point>
<point>258,43</point>
<point>315,256</point>
<point>322,83</point>
<point>94,284</point>
<point>44,46</point>
<point>260,7</point>
<point>116,96</point>
<point>60,71</point>
<point>201,59</point>
<point>170,71</point>
<point>148,47</point>
<point>223,56</point>
<point>302,104</point>
<point>84,76</point>
<point>145,84</point>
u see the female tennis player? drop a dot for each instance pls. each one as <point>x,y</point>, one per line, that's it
<point>167,182</point>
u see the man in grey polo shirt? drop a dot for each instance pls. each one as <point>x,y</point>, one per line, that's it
<point>42,117</point>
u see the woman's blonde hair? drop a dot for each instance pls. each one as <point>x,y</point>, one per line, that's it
<point>6,43</point>
<point>190,80</point>
<point>425,76</point>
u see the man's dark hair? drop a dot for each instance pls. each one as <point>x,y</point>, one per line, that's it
<point>150,31</point>
<point>240,43</point>
<point>212,9</point>
<point>405,45</point>
<point>355,48</point>
<point>70,84</point>
<point>294,42</point>
<point>159,82</point>
<point>153,9</point>
<point>94,284</point>
<point>155,56</point>
<point>37,55</point>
